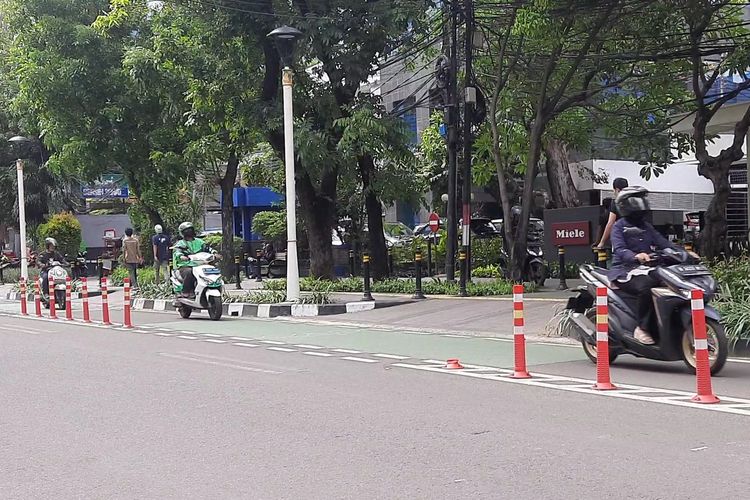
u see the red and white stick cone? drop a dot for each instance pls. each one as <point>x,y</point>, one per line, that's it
<point>68,299</point>
<point>38,298</point>
<point>105,303</point>
<point>85,297</point>
<point>603,380</point>
<point>52,305</point>
<point>24,306</point>
<point>702,364</point>
<point>519,340</point>
<point>127,322</point>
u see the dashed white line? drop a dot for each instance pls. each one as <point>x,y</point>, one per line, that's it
<point>306,346</point>
<point>360,360</point>
<point>347,351</point>
<point>281,349</point>
<point>213,335</point>
<point>244,344</point>
<point>215,341</point>
<point>241,339</point>
<point>391,356</point>
<point>163,334</point>
<point>186,337</point>
<point>454,336</point>
<point>319,354</point>
<point>272,342</point>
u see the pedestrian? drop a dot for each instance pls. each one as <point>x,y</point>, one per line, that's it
<point>618,185</point>
<point>132,257</point>
<point>160,243</point>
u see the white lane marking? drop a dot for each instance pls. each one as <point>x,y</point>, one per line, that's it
<point>213,335</point>
<point>737,360</point>
<point>320,354</point>
<point>215,341</point>
<point>360,360</point>
<point>347,351</point>
<point>433,361</point>
<point>674,398</point>
<point>306,346</point>
<point>244,344</point>
<point>187,331</point>
<point>144,332</point>
<point>219,363</point>
<point>239,338</point>
<point>272,342</point>
<point>390,356</point>
<point>281,349</point>
<point>455,336</point>
<point>164,334</point>
<point>186,337</point>
<point>16,329</point>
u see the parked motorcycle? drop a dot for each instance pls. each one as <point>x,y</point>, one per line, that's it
<point>57,276</point>
<point>79,268</point>
<point>209,287</point>
<point>535,267</point>
<point>672,330</point>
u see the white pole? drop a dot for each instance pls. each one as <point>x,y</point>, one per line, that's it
<point>292,266</point>
<point>22,220</point>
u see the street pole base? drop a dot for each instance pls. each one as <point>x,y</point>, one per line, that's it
<point>706,400</point>
<point>418,296</point>
<point>368,298</point>
<point>604,386</point>
<point>562,286</point>
<point>520,375</point>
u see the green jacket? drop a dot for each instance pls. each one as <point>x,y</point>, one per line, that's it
<point>186,248</point>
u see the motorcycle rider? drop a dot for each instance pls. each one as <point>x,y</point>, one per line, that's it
<point>633,239</point>
<point>45,260</point>
<point>185,247</point>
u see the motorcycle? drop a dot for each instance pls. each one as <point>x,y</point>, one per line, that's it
<point>79,266</point>
<point>57,276</point>
<point>535,267</point>
<point>678,274</point>
<point>209,287</point>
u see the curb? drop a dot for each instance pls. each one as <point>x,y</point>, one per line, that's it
<point>244,310</point>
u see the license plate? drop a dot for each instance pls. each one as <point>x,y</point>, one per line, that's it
<point>695,270</point>
<point>211,270</point>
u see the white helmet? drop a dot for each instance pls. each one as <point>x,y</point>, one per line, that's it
<point>184,227</point>
<point>158,229</point>
<point>50,241</point>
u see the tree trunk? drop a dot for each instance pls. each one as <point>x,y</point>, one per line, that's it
<point>376,237</point>
<point>519,248</point>
<point>319,211</point>
<point>562,187</point>
<point>713,235</point>
<point>227,214</point>
<point>154,217</point>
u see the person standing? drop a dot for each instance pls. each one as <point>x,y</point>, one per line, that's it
<point>618,185</point>
<point>160,244</point>
<point>132,257</point>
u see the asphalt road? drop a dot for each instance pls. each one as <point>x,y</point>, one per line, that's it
<point>272,409</point>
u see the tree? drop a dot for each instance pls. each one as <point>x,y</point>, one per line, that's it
<point>717,48</point>
<point>66,230</point>
<point>550,57</point>
<point>74,93</point>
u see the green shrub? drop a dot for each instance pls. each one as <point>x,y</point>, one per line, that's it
<point>146,276</point>
<point>66,229</point>
<point>486,252</point>
<point>487,272</point>
<point>214,241</point>
<point>154,291</point>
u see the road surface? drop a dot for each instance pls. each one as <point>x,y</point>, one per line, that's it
<point>289,409</point>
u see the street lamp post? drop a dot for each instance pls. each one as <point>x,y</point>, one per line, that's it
<point>18,141</point>
<point>285,38</point>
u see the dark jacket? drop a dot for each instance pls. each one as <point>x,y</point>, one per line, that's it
<point>628,240</point>
<point>47,257</point>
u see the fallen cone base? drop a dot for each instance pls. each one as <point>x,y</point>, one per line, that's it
<point>454,364</point>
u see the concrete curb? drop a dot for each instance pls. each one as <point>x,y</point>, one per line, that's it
<point>244,310</point>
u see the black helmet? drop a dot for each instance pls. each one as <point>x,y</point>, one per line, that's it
<point>632,201</point>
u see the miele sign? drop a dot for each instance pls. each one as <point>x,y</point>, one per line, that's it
<point>571,233</point>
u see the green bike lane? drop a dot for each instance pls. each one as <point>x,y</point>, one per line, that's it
<point>566,360</point>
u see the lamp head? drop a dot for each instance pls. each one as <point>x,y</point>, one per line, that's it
<point>285,38</point>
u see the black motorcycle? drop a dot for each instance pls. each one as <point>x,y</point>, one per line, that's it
<point>678,274</point>
<point>79,267</point>
<point>535,269</point>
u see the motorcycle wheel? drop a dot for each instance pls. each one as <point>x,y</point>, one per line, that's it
<point>60,300</point>
<point>539,274</point>
<point>185,312</point>
<point>215,308</point>
<point>589,349</point>
<point>718,346</point>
